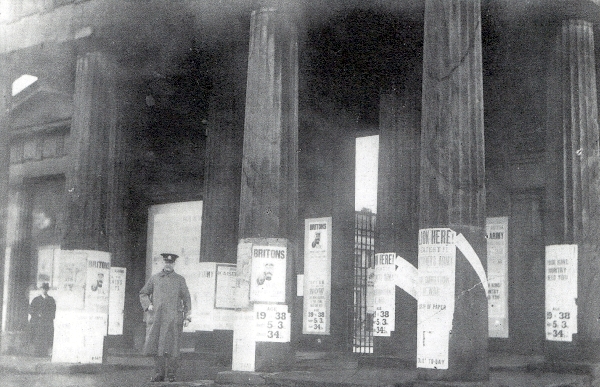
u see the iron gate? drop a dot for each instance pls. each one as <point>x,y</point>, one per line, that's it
<point>364,263</point>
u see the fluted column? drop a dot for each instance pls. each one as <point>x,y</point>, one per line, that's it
<point>452,189</point>
<point>397,206</point>
<point>269,183</point>
<point>573,153</point>
<point>92,130</point>
<point>224,158</point>
<point>269,191</point>
<point>6,74</point>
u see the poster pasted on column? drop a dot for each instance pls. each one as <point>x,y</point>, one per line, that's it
<point>268,275</point>
<point>97,283</point>
<point>203,313</point>
<point>317,276</point>
<point>272,322</point>
<point>225,290</point>
<point>244,342</point>
<point>561,292</point>
<point>47,257</point>
<point>71,268</point>
<point>497,274</point>
<point>82,298</point>
<point>116,300</point>
<point>384,290</point>
<point>176,228</point>
<point>260,280</point>
<point>225,286</point>
<point>209,311</point>
<point>436,288</point>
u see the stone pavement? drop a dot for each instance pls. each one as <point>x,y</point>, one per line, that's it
<point>314,369</point>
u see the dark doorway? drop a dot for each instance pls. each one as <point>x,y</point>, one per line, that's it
<point>40,216</point>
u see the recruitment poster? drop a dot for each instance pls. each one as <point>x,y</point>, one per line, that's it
<point>225,296</point>
<point>267,279</point>
<point>317,276</point>
<point>272,323</point>
<point>497,268</point>
<point>384,290</point>
<point>46,262</point>
<point>243,273</point>
<point>370,298</point>
<point>176,228</point>
<point>225,286</point>
<point>71,279</point>
<point>97,282</point>
<point>244,342</point>
<point>78,337</point>
<point>116,300</point>
<point>561,292</point>
<point>436,288</point>
<point>203,313</point>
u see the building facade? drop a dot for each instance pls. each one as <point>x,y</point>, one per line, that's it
<point>483,110</point>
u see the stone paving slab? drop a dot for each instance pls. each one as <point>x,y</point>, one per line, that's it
<point>316,371</point>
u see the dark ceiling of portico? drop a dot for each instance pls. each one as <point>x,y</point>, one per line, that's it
<point>349,60</point>
<point>350,50</point>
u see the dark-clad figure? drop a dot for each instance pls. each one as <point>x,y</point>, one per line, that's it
<point>166,301</point>
<point>42,311</point>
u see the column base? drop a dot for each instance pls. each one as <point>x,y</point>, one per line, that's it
<point>273,357</point>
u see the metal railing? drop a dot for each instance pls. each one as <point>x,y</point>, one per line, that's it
<point>364,255</point>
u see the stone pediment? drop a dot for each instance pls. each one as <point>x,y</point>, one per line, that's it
<point>40,107</point>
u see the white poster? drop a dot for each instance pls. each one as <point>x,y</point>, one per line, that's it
<point>317,276</point>
<point>384,290</point>
<point>436,288</point>
<point>243,273</point>
<point>497,269</point>
<point>78,337</point>
<point>561,292</point>
<point>203,313</point>
<point>97,285</point>
<point>116,300</point>
<point>407,276</point>
<point>272,322</point>
<point>244,342</point>
<point>46,262</point>
<point>176,228</point>
<point>82,300</point>
<point>71,275</point>
<point>370,289</point>
<point>267,280</point>
<point>225,286</point>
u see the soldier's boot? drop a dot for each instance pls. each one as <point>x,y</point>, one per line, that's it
<point>159,369</point>
<point>172,365</point>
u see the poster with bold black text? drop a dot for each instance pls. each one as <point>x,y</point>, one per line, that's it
<point>317,276</point>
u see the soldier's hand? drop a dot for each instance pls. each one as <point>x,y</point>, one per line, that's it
<point>186,323</point>
<point>151,307</point>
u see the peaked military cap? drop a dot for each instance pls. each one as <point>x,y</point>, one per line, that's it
<point>169,257</point>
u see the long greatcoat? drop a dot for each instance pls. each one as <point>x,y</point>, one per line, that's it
<point>42,311</point>
<point>168,293</point>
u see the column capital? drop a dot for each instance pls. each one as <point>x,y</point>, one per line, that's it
<point>290,8</point>
<point>588,10</point>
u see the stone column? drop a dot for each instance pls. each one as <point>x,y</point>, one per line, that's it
<point>224,158</point>
<point>573,152</point>
<point>269,184</point>
<point>6,74</point>
<point>92,129</point>
<point>269,191</point>
<point>397,207</point>
<point>452,189</point>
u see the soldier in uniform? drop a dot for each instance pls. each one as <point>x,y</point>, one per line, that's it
<point>166,301</point>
